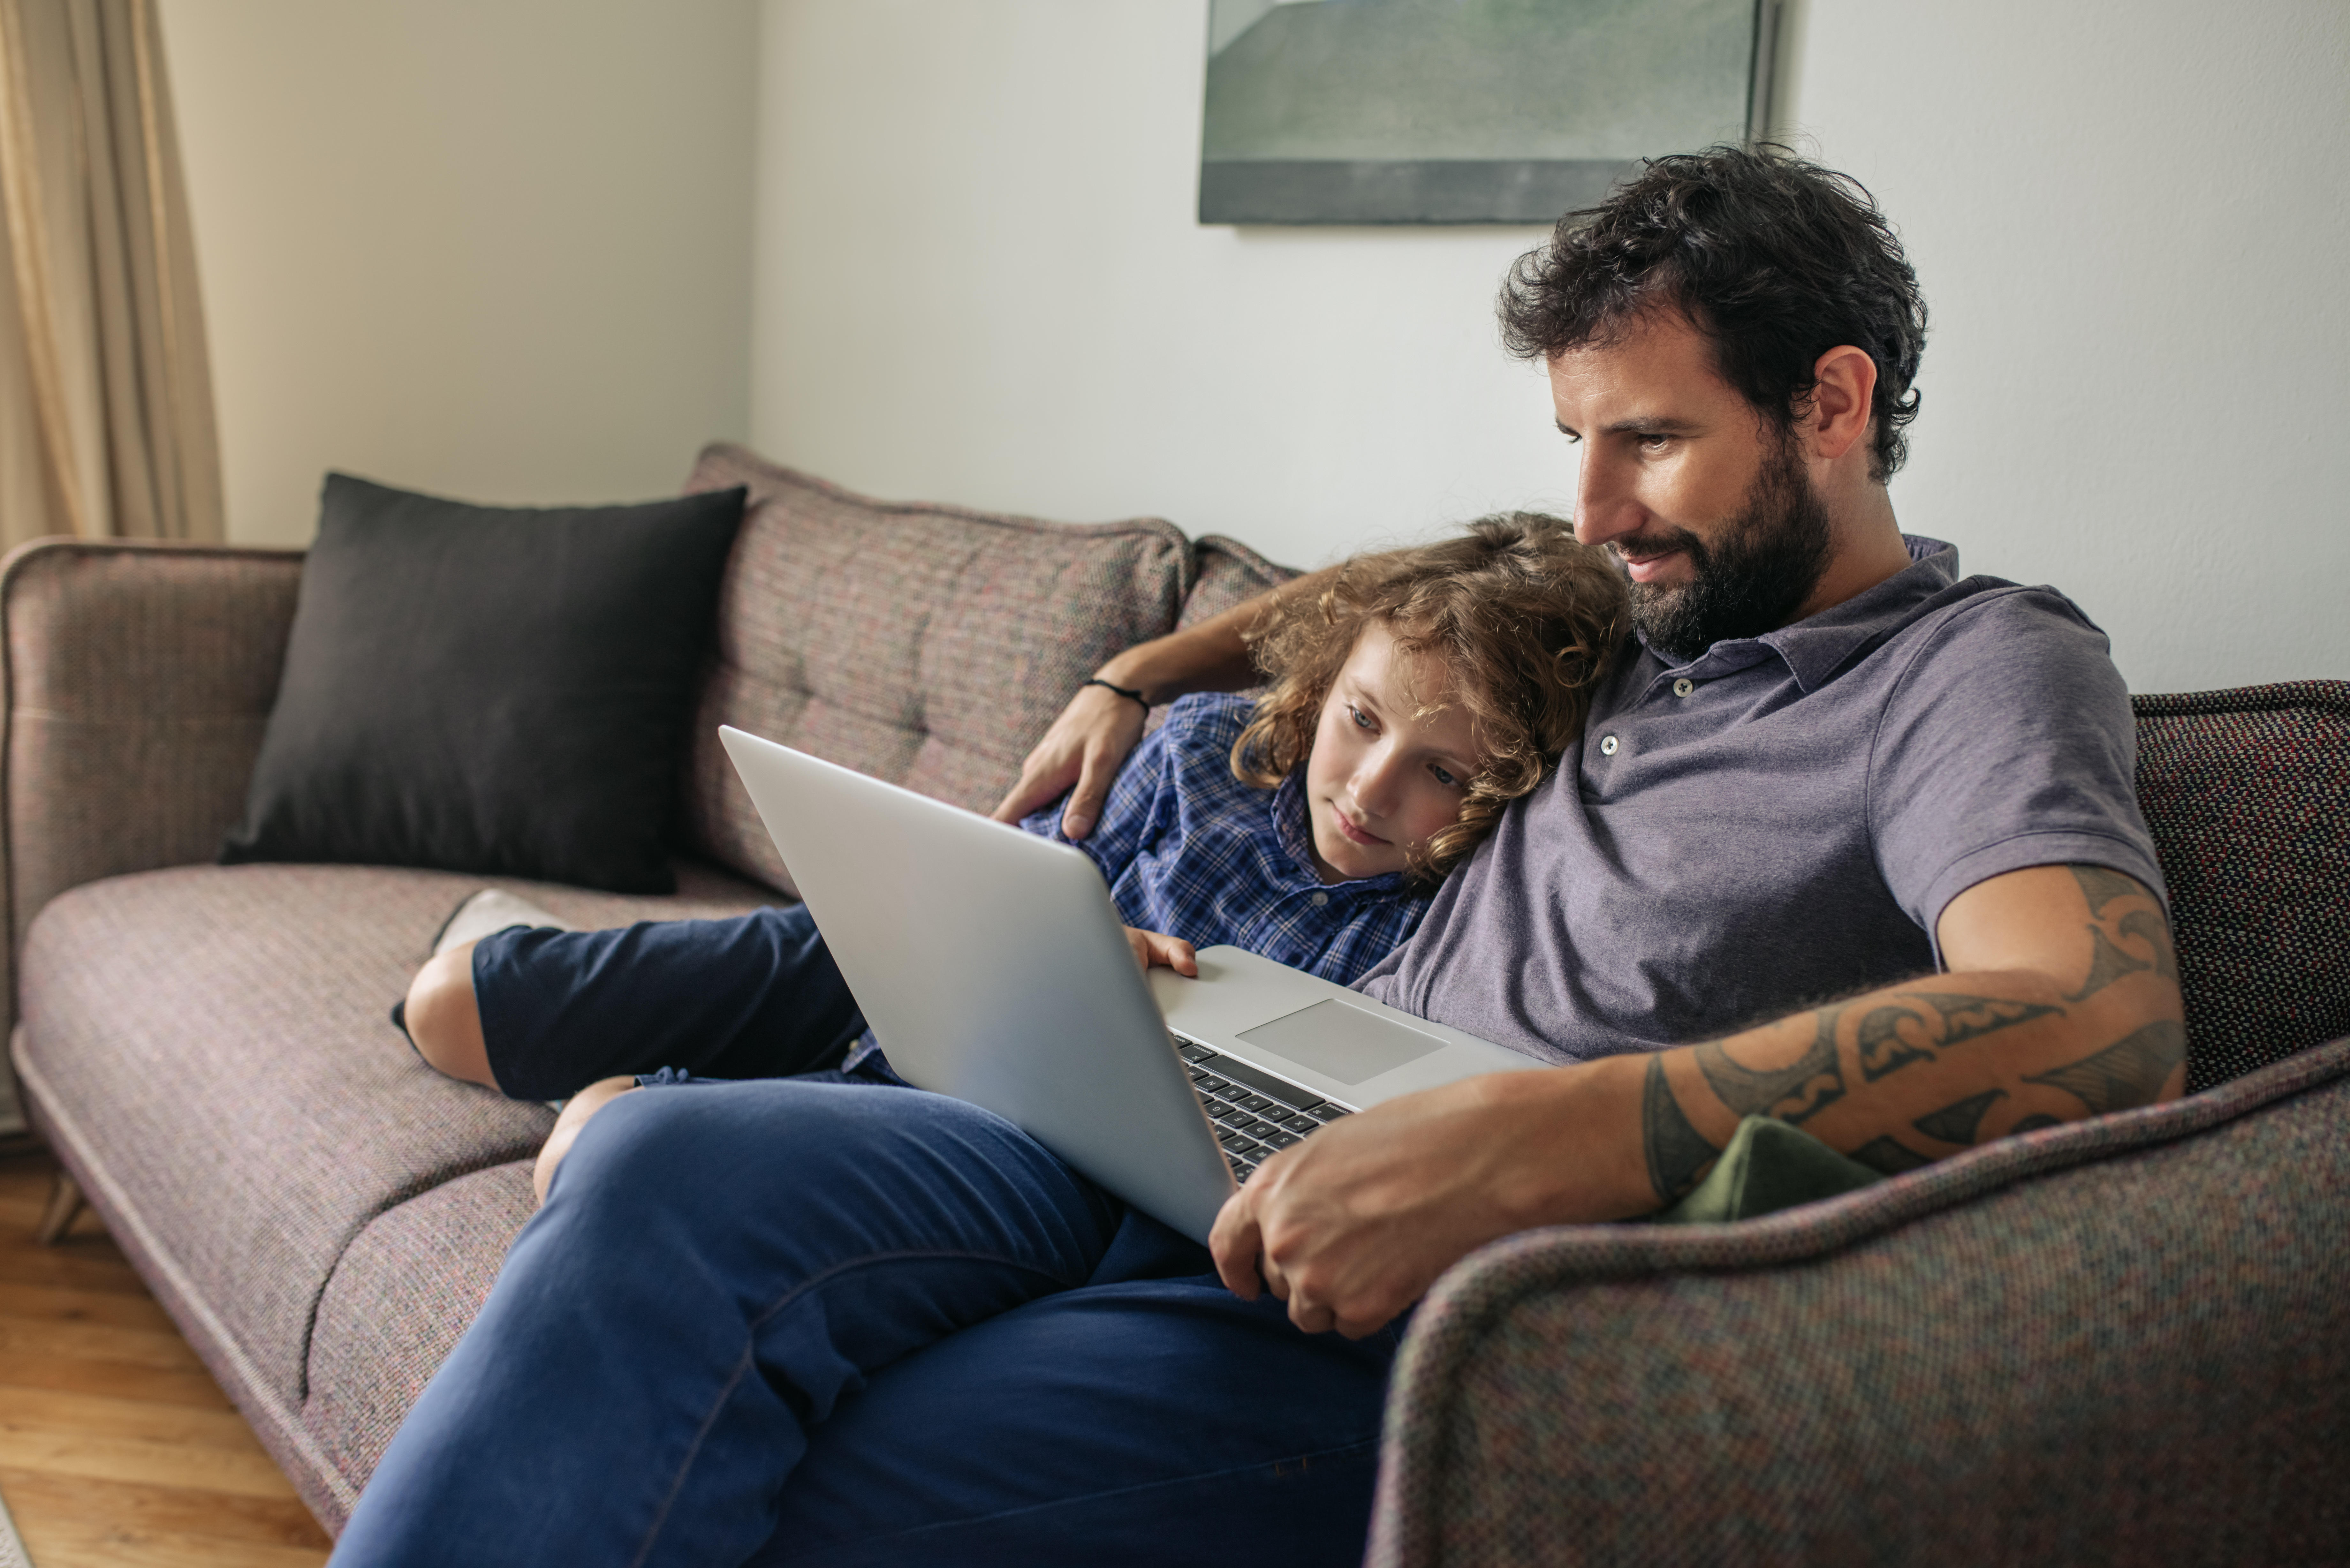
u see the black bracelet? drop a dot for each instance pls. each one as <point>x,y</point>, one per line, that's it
<point>1121,691</point>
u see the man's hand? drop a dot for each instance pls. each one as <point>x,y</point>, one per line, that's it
<point>1158,948</point>
<point>1353,1225</point>
<point>1084,747</point>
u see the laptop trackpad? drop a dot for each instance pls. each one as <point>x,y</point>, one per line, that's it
<point>1342,1042</point>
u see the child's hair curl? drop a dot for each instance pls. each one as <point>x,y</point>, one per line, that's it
<point>1523,620</point>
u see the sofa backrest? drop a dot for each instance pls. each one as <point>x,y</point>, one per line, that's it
<point>1229,574</point>
<point>930,645</point>
<point>2248,793</point>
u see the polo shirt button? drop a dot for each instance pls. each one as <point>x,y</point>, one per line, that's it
<point>1606,745</point>
<point>1684,686</point>
<point>1320,899</point>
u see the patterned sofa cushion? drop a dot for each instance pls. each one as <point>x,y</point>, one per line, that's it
<point>207,1049</point>
<point>1229,574</point>
<point>140,677</point>
<point>2248,793</point>
<point>401,1295</point>
<point>930,645</point>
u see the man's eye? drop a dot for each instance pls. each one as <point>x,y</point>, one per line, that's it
<point>1655,442</point>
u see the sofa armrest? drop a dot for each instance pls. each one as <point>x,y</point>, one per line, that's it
<point>2123,1340</point>
<point>139,678</point>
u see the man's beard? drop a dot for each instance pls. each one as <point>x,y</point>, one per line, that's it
<point>1751,579</point>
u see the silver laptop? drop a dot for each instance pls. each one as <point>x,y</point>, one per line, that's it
<point>994,966</point>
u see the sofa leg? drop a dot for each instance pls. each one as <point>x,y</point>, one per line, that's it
<point>65,1203</point>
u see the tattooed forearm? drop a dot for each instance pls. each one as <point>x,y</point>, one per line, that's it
<point>1890,1156</point>
<point>2101,887</point>
<point>2109,959</point>
<point>2156,933</point>
<point>1677,1151</point>
<point>2130,1072</point>
<point>1971,1017</point>
<point>1919,1023</point>
<point>2108,964</point>
<point>1957,1123</point>
<point>1883,1045</point>
<point>1792,1093</point>
<point>2001,1043</point>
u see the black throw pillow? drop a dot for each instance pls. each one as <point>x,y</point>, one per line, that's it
<point>489,689</point>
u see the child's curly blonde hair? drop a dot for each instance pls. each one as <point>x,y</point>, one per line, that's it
<point>1524,620</point>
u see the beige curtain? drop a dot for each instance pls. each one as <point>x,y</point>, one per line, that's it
<point>106,405</point>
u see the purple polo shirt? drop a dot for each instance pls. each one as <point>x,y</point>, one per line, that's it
<point>1783,819</point>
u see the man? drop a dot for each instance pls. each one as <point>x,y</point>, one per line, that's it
<point>1828,765</point>
<point>860,1325</point>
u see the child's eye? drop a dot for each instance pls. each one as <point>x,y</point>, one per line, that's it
<point>1362,720</point>
<point>1444,776</point>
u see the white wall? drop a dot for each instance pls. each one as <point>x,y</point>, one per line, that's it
<point>979,279</point>
<point>2129,219</point>
<point>498,249</point>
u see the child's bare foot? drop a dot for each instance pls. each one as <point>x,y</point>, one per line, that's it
<point>582,1106</point>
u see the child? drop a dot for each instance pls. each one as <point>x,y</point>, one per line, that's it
<point>1411,698</point>
<point>1409,701</point>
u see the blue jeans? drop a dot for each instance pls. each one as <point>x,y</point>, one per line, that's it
<point>813,1321</point>
<point>757,996</point>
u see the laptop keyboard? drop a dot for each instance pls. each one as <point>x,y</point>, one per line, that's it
<point>1255,1113</point>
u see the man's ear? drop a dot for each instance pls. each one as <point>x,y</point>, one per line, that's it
<point>1836,413</point>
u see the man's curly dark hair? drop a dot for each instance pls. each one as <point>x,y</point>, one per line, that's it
<point>1774,258</point>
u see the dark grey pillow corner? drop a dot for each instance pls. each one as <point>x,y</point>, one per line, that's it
<point>501,690</point>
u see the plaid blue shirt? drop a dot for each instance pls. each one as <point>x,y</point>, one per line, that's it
<point>1190,850</point>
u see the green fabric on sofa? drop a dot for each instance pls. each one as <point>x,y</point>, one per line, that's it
<point>1767,1166</point>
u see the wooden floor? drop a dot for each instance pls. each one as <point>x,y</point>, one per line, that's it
<point>116,1445</point>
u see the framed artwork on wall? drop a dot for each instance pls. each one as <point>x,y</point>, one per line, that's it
<point>1465,111</point>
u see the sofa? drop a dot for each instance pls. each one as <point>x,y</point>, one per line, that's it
<point>2127,1340</point>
